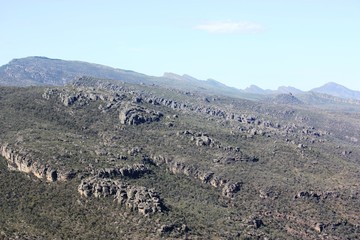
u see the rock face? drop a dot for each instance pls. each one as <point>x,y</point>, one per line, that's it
<point>130,102</point>
<point>136,198</point>
<point>134,171</point>
<point>23,161</point>
<point>135,115</point>
<point>83,96</point>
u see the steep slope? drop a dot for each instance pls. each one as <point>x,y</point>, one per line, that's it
<point>337,90</point>
<point>108,159</point>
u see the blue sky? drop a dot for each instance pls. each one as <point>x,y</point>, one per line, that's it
<point>269,43</point>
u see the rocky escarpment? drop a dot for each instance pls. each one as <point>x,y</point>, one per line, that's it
<point>129,102</point>
<point>82,97</point>
<point>135,198</point>
<point>99,184</point>
<point>248,123</point>
<point>230,154</point>
<point>141,97</point>
<point>228,187</point>
<point>130,113</point>
<point>22,160</point>
<point>134,171</point>
<point>135,115</point>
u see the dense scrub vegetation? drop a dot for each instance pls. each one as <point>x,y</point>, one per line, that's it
<point>225,168</point>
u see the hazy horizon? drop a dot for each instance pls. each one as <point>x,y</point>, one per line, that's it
<point>239,43</point>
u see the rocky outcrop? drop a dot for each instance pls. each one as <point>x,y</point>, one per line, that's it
<point>319,227</point>
<point>312,195</point>
<point>229,188</point>
<point>135,115</point>
<point>173,229</point>
<point>203,139</point>
<point>135,198</point>
<point>134,171</point>
<point>114,95</point>
<point>83,96</point>
<point>269,193</point>
<point>231,159</point>
<point>98,187</point>
<point>22,160</point>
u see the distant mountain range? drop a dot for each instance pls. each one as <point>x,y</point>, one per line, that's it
<point>38,71</point>
<point>257,90</point>
<point>42,71</point>
<point>330,88</point>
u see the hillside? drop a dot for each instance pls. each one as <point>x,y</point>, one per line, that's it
<point>337,90</point>
<point>42,71</point>
<point>108,159</point>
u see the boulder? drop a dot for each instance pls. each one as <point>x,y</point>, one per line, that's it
<point>135,115</point>
<point>319,227</point>
<point>230,189</point>
<point>173,228</point>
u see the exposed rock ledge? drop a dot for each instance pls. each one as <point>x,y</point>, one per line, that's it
<point>228,188</point>
<point>23,161</point>
<point>134,171</point>
<point>135,115</point>
<point>136,198</point>
<point>312,195</point>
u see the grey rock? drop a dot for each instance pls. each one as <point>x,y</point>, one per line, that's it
<point>24,161</point>
<point>135,115</point>
<point>230,189</point>
<point>319,227</point>
<point>135,198</point>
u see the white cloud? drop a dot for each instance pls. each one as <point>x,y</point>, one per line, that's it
<point>230,27</point>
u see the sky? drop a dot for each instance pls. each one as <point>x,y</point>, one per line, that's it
<point>268,43</point>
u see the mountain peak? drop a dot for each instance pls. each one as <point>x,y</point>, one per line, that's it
<point>337,90</point>
<point>254,89</point>
<point>288,89</point>
<point>178,77</point>
<point>215,83</point>
<point>172,75</point>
